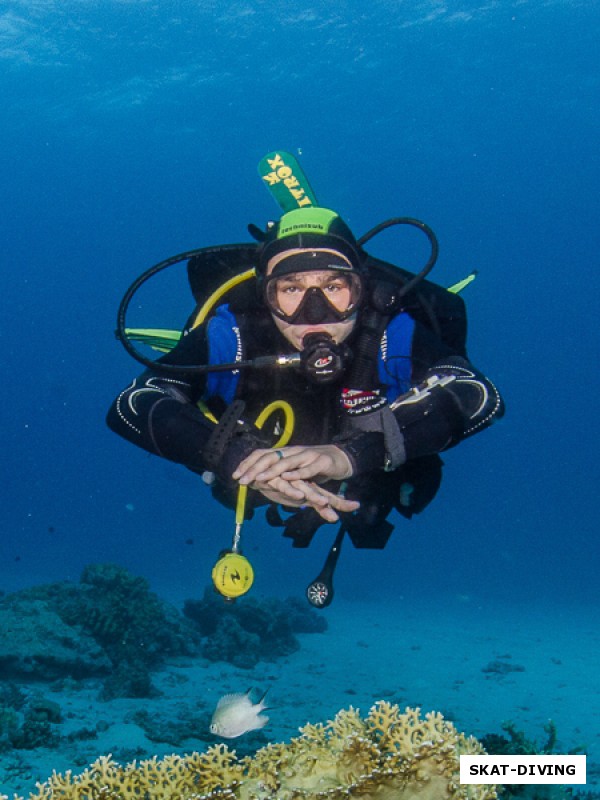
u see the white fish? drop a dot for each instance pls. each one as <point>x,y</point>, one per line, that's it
<point>236,714</point>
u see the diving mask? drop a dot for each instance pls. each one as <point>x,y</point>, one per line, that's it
<point>313,288</point>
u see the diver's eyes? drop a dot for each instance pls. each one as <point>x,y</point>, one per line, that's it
<point>290,288</point>
<point>335,286</point>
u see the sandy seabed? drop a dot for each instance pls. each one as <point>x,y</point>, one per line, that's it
<point>479,666</point>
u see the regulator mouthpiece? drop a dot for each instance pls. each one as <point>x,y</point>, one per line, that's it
<point>321,359</point>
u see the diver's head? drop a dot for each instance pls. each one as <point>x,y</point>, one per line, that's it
<point>311,275</point>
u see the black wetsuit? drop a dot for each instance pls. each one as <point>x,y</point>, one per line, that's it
<point>447,401</point>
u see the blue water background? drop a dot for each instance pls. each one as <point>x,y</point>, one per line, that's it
<point>131,131</point>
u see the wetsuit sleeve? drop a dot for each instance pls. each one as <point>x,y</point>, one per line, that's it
<point>158,411</point>
<point>450,399</point>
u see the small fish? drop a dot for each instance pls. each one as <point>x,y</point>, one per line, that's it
<point>236,714</point>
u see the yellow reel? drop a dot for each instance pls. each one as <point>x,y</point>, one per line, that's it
<point>232,575</point>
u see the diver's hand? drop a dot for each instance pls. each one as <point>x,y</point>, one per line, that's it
<point>303,493</point>
<point>319,463</point>
<point>284,476</point>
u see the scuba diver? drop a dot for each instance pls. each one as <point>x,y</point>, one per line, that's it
<point>370,358</point>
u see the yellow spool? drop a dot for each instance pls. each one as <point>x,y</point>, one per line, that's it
<point>232,575</point>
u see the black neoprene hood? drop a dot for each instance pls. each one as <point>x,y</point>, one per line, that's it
<point>311,229</point>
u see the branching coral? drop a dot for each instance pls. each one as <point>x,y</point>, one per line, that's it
<point>388,755</point>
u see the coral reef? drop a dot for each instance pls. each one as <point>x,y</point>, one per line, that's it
<point>246,633</point>
<point>36,644</point>
<point>27,721</point>
<point>388,755</point>
<point>517,743</point>
<point>129,621</point>
<point>108,624</point>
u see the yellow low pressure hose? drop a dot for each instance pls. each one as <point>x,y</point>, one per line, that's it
<point>217,295</point>
<point>288,429</point>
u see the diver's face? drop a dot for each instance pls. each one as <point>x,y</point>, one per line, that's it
<point>337,295</point>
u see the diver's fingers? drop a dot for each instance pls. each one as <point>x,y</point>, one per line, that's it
<point>277,497</point>
<point>342,504</point>
<point>284,488</point>
<point>325,503</point>
<point>318,470</point>
<point>320,462</point>
<point>247,470</point>
<point>260,465</point>
<point>264,465</point>
<point>297,462</point>
<point>327,513</point>
<point>346,505</point>
<point>300,494</point>
<point>313,494</point>
<point>303,493</point>
<point>310,464</point>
